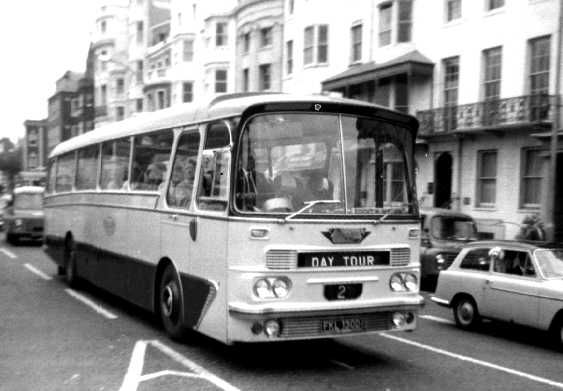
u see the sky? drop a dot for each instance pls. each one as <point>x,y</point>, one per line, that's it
<point>40,40</point>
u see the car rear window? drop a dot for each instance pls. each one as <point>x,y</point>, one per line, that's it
<point>477,259</point>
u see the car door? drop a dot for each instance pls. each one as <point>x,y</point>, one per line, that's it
<point>511,296</point>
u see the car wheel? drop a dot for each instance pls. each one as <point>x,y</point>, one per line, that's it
<point>466,314</point>
<point>11,238</point>
<point>70,275</point>
<point>171,304</point>
<point>557,333</point>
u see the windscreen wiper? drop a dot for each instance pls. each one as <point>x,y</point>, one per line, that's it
<point>308,205</point>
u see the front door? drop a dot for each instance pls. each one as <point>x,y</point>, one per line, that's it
<point>443,180</point>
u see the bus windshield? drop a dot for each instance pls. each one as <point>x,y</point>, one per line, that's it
<point>288,160</point>
<point>31,201</point>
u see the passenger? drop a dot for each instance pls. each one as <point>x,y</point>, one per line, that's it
<point>154,176</point>
<point>319,187</point>
<point>181,184</point>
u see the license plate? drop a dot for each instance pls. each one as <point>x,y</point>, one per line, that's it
<point>342,291</point>
<point>342,326</point>
<point>326,260</point>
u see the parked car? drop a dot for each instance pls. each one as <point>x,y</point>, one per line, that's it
<point>506,280</point>
<point>444,233</point>
<point>24,215</point>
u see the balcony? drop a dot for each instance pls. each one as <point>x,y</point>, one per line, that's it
<point>510,112</point>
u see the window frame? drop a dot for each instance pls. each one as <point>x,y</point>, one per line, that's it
<point>265,77</point>
<point>356,42</point>
<point>524,176</point>
<point>313,47</point>
<point>453,10</point>
<point>289,57</point>
<point>481,178</point>
<point>385,30</point>
<point>221,34</point>
<point>492,73</point>
<point>218,82</point>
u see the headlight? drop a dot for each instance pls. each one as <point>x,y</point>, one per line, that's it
<point>440,259</point>
<point>396,283</point>
<point>401,282</point>
<point>18,222</point>
<point>272,287</point>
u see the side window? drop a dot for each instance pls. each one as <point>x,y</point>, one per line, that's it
<point>213,183</point>
<point>516,263</point>
<point>151,153</point>
<point>181,184</point>
<point>115,164</point>
<point>476,260</point>
<point>51,171</point>
<point>87,170</point>
<point>65,173</point>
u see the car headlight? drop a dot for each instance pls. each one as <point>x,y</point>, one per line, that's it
<point>272,287</point>
<point>18,222</point>
<point>401,282</point>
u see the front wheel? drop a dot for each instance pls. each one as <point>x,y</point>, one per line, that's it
<point>557,333</point>
<point>466,314</point>
<point>171,303</point>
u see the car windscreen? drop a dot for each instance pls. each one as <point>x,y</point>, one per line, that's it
<point>453,228</point>
<point>30,201</point>
<point>550,262</point>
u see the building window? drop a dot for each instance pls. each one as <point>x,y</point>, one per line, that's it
<point>266,37</point>
<point>492,62</point>
<point>103,94</point>
<point>453,10</point>
<point>139,104</point>
<point>187,91</point>
<point>139,72</point>
<point>494,4</point>
<point>188,50</point>
<point>140,32</point>
<point>356,34</point>
<point>265,71</point>
<point>245,80</point>
<point>291,6</point>
<point>393,182</point>
<point>316,44</point>
<point>539,50</point>
<point>531,178</point>
<point>150,101</point>
<point>405,20</point>
<point>246,43</point>
<point>451,85</point>
<point>221,34</point>
<point>120,113</point>
<point>486,178</point>
<point>120,85</point>
<point>289,57</point>
<point>220,80</point>
<point>103,26</point>
<point>385,24</point>
<point>161,99</point>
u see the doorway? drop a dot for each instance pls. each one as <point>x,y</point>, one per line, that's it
<point>443,180</point>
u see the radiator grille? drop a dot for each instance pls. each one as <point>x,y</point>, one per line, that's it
<point>311,326</point>
<point>281,259</point>
<point>400,256</point>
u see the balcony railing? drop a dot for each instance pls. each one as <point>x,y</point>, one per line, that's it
<point>487,114</point>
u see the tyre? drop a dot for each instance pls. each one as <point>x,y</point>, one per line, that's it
<point>557,333</point>
<point>466,314</point>
<point>11,238</point>
<point>171,304</point>
<point>70,275</point>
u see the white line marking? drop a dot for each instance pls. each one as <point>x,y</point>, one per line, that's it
<point>8,253</point>
<point>194,367</point>
<point>342,364</point>
<point>37,272</point>
<point>134,375</point>
<point>476,361</point>
<point>436,319</point>
<point>99,309</point>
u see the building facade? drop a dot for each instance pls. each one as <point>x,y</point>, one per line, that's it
<point>35,145</point>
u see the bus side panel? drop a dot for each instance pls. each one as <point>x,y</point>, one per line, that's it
<point>208,258</point>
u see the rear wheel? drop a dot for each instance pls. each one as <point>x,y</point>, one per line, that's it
<point>466,314</point>
<point>171,303</point>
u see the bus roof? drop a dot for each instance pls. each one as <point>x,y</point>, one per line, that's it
<point>221,106</point>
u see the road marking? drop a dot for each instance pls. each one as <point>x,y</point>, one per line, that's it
<point>476,361</point>
<point>134,375</point>
<point>99,309</point>
<point>8,253</point>
<point>436,319</point>
<point>38,272</point>
<point>342,364</point>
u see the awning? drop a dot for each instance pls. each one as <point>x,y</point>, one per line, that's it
<point>412,63</point>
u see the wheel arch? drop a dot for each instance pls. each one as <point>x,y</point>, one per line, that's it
<point>557,318</point>
<point>460,295</point>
